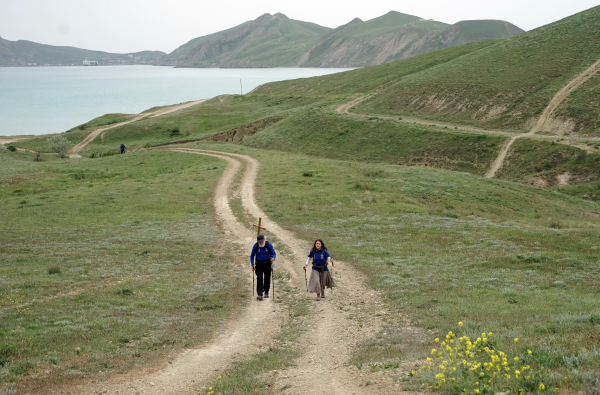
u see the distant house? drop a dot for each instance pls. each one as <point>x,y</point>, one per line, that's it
<point>87,62</point>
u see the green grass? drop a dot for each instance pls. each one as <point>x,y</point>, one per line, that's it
<point>445,246</point>
<point>104,264</point>
<point>367,79</point>
<point>505,85</point>
<point>528,157</point>
<point>327,135</point>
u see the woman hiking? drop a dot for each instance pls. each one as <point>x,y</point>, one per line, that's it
<point>319,277</point>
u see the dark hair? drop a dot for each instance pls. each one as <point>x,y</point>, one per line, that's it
<point>323,248</point>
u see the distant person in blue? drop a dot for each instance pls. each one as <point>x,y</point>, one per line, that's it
<point>265,256</point>
<point>319,277</point>
<point>123,148</point>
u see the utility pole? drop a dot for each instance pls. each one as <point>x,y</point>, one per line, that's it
<point>241,87</point>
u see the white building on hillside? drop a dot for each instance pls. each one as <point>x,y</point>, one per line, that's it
<point>87,62</point>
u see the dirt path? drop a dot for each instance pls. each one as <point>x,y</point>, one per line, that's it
<point>196,367</point>
<point>328,339</point>
<point>8,140</point>
<point>74,151</point>
<point>545,118</point>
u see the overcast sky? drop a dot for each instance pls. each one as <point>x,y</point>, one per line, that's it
<point>136,25</point>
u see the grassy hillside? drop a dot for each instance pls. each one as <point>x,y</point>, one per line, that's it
<point>277,41</point>
<point>22,53</point>
<point>180,54</point>
<point>445,247</point>
<point>367,79</point>
<point>104,265</point>
<point>505,85</point>
<point>268,41</point>
<point>336,136</point>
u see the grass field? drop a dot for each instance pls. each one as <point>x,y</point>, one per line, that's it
<point>447,247</point>
<point>505,85</point>
<point>108,265</point>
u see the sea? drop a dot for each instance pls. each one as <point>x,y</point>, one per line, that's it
<point>44,100</point>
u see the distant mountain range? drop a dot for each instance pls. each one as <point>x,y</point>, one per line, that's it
<point>278,41</point>
<point>28,53</point>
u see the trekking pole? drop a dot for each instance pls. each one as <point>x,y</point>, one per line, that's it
<point>252,282</point>
<point>331,275</point>
<point>273,275</point>
<point>305,281</point>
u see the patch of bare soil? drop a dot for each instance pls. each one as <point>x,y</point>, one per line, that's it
<point>238,134</point>
<point>537,181</point>
<point>74,151</point>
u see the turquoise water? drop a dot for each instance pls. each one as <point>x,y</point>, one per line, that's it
<point>43,100</point>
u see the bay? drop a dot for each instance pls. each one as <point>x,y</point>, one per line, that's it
<point>44,100</point>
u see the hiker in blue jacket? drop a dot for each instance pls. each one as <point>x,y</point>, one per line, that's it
<point>123,148</point>
<point>265,256</point>
<point>319,277</point>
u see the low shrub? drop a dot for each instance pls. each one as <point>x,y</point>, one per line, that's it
<point>11,148</point>
<point>54,270</point>
<point>101,154</point>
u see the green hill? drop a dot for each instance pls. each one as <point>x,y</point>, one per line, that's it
<point>23,53</point>
<point>268,41</point>
<point>275,40</point>
<point>508,84</point>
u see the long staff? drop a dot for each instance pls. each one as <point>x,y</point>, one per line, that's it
<point>273,275</point>
<point>252,281</point>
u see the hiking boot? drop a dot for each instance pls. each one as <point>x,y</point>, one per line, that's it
<point>318,297</point>
<point>266,295</point>
<point>259,297</point>
<point>322,296</point>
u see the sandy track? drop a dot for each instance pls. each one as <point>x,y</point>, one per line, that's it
<point>74,151</point>
<point>9,140</point>
<point>546,117</point>
<point>328,339</point>
<point>197,367</point>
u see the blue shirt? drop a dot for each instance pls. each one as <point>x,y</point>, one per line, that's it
<point>262,253</point>
<point>319,258</point>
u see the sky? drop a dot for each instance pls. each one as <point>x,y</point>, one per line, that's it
<point>123,26</point>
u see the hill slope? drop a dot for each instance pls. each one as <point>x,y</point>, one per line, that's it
<point>23,53</point>
<point>277,41</point>
<point>268,41</point>
<point>510,83</point>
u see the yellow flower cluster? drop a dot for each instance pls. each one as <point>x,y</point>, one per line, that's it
<point>473,365</point>
<point>211,391</point>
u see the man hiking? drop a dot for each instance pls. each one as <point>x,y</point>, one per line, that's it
<point>123,148</point>
<point>265,256</point>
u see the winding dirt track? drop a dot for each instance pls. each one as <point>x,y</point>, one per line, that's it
<point>545,118</point>
<point>74,151</point>
<point>327,341</point>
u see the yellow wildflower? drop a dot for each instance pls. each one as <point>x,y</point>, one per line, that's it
<point>437,340</point>
<point>516,339</point>
<point>460,323</point>
<point>542,387</point>
<point>529,352</point>
<point>516,358</point>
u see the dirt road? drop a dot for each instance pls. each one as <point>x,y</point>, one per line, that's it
<point>328,339</point>
<point>544,119</point>
<point>74,151</point>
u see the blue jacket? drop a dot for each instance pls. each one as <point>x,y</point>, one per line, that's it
<point>319,258</point>
<point>262,253</point>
